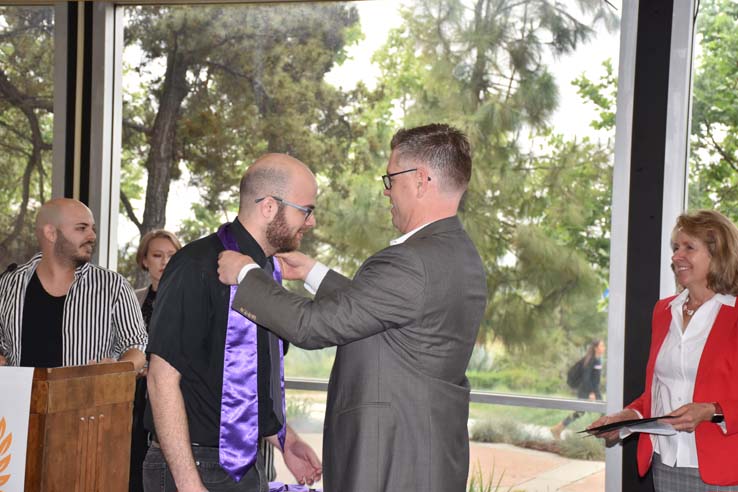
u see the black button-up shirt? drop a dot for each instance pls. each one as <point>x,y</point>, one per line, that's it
<point>188,330</point>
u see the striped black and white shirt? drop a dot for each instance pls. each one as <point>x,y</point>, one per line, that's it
<point>102,318</point>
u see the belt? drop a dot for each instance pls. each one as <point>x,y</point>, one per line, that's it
<point>155,444</point>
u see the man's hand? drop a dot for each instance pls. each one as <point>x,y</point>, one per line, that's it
<point>613,437</point>
<point>689,416</point>
<point>302,462</point>
<point>230,264</point>
<point>295,265</point>
<point>299,457</point>
<point>137,357</point>
<point>3,361</point>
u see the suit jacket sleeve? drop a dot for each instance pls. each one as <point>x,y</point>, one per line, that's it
<point>386,293</point>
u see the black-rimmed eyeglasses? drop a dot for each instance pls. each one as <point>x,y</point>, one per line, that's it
<point>308,211</point>
<point>387,178</point>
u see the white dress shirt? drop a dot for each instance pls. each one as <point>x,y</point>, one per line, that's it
<point>676,370</point>
<point>316,275</point>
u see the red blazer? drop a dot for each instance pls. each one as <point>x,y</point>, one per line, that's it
<point>716,381</point>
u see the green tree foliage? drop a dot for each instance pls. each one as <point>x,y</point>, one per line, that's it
<point>224,85</point>
<point>26,68</point>
<point>714,143</point>
<point>538,205</point>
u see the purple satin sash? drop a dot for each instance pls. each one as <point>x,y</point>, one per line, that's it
<point>239,408</point>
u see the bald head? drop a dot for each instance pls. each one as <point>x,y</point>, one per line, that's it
<point>54,212</point>
<point>273,175</point>
<point>277,201</point>
<point>65,230</point>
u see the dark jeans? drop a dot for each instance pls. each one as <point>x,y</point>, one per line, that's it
<point>158,478</point>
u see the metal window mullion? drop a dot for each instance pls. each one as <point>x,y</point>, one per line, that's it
<point>619,231</point>
<point>484,397</point>
<point>104,183</point>
<point>676,147</point>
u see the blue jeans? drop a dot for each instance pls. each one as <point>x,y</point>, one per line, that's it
<point>158,478</point>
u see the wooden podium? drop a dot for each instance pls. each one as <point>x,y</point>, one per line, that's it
<point>79,431</point>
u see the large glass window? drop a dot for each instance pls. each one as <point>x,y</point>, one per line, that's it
<point>207,89</point>
<point>713,155</point>
<point>26,121</point>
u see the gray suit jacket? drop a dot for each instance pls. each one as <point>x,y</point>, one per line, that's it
<point>405,326</point>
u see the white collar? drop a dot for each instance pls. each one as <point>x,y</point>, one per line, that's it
<point>725,299</point>
<point>405,236</point>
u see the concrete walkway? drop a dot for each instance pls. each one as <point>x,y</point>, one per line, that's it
<point>516,469</point>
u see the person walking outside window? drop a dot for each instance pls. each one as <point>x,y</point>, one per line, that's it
<point>585,377</point>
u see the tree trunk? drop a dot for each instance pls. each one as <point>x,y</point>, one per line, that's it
<point>161,158</point>
<point>11,94</point>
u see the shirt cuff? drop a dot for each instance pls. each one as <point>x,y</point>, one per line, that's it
<point>246,269</point>
<point>315,277</point>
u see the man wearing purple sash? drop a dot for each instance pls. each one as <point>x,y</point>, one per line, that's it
<point>215,378</point>
<point>405,326</point>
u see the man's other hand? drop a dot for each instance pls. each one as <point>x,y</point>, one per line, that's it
<point>3,361</point>
<point>302,462</point>
<point>230,264</point>
<point>295,265</point>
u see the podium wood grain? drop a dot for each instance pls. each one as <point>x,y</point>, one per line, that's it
<point>79,435</point>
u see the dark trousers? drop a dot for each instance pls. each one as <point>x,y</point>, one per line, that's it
<point>139,438</point>
<point>158,478</point>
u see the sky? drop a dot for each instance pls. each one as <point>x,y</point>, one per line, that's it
<point>379,16</point>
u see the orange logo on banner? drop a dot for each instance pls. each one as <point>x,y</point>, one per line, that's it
<point>5,442</point>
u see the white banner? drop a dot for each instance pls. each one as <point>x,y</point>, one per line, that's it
<point>15,409</point>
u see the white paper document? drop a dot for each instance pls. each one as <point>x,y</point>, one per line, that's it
<point>659,428</point>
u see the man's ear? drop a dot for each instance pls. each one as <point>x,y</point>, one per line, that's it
<point>268,208</point>
<point>50,233</point>
<point>423,181</point>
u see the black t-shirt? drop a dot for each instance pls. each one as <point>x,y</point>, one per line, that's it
<point>41,338</point>
<point>188,330</point>
<point>147,308</point>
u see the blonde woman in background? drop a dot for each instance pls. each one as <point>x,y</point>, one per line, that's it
<point>154,252</point>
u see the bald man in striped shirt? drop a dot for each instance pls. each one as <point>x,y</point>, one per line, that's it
<point>58,309</point>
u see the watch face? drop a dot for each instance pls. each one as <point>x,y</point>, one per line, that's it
<point>717,418</point>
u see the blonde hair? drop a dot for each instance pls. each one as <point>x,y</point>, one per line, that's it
<point>720,236</point>
<point>143,246</point>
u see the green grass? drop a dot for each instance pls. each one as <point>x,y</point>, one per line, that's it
<point>479,483</point>
<point>299,363</point>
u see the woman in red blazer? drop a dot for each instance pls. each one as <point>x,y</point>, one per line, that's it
<point>692,371</point>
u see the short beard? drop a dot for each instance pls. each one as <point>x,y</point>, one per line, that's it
<point>66,250</point>
<point>279,236</point>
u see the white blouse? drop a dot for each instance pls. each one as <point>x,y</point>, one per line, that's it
<point>675,373</point>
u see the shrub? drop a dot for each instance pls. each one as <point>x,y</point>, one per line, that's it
<point>498,430</point>
<point>507,431</point>
<point>582,448</point>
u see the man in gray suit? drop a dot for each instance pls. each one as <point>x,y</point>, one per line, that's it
<point>405,326</point>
